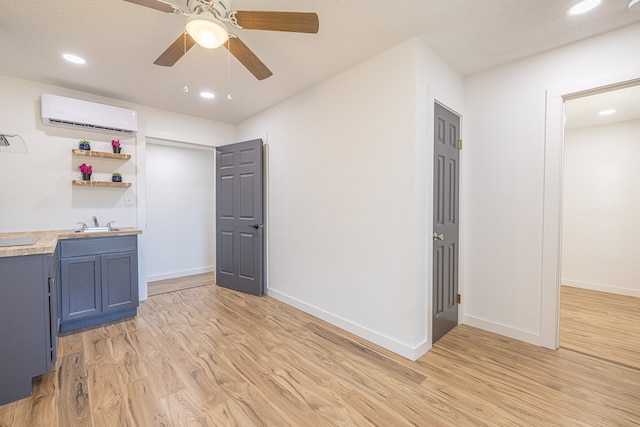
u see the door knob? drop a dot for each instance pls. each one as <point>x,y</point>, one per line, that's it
<point>257,226</point>
<point>437,236</point>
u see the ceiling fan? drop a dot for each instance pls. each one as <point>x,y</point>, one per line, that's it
<point>207,22</point>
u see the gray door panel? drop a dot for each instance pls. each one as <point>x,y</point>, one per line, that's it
<point>445,221</point>
<point>81,295</point>
<point>239,217</point>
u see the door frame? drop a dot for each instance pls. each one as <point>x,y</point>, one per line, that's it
<point>138,198</point>
<point>552,197</point>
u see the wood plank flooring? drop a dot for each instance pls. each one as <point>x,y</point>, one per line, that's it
<point>600,324</point>
<point>208,356</point>
<point>171,285</point>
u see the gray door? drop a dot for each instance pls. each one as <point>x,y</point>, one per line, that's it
<point>445,221</point>
<point>239,227</point>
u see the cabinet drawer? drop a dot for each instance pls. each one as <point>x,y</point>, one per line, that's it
<point>97,245</point>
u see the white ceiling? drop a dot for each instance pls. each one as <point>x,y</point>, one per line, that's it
<point>585,111</point>
<point>120,41</point>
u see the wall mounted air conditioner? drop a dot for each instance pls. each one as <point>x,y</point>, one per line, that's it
<point>74,113</point>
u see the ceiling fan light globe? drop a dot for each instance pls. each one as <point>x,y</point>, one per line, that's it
<point>207,31</point>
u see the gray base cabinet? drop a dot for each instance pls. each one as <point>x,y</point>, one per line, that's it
<point>99,281</point>
<point>28,322</point>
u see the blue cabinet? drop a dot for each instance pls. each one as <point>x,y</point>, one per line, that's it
<point>28,322</point>
<point>119,281</point>
<point>80,287</point>
<point>99,280</point>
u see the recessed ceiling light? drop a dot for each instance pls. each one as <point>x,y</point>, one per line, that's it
<point>607,112</point>
<point>74,58</point>
<point>634,4</point>
<point>583,7</point>
<point>207,95</point>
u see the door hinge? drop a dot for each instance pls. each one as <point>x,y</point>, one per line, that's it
<point>459,299</point>
<point>460,144</point>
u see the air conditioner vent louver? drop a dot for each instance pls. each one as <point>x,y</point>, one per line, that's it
<point>97,128</point>
<point>78,114</point>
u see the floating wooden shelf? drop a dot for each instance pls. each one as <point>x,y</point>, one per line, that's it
<point>101,154</point>
<point>100,183</point>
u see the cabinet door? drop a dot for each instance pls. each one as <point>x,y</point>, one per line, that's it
<point>23,324</point>
<point>119,281</point>
<point>80,287</point>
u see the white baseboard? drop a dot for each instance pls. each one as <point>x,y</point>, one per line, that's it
<point>404,350</point>
<point>602,288</point>
<point>183,273</point>
<point>507,331</point>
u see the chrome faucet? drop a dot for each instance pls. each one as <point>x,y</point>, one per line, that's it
<point>95,221</point>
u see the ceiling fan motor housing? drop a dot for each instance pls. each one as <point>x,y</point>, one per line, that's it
<point>218,8</point>
<point>222,6</point>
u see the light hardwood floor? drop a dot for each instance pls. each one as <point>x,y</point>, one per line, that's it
<point>207,356</point>
<point>171,285</point>
<point>601,325</point>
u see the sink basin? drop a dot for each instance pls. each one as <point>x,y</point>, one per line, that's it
<point>96,230</point>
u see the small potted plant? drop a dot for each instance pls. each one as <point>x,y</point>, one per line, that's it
<point>115,144</point>
<point>116,177</point>
<point>86,171</point>
<point>84,145</point>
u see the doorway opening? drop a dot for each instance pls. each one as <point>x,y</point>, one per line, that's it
<point>600,294</point>
<point>180,205</point>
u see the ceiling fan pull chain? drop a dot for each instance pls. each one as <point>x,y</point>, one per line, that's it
<point>229,68</point>
<point>185,89</point>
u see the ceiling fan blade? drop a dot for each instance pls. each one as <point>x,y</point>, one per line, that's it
<point>174,52</point>
<point>154,4</point>
<point>247,58</point>
<point>295,22</point>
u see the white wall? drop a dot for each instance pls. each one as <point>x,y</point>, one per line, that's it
<point>180,209</point>
<point>37,194</point>
<point>349,172</point>
<point>505,171</point>
<point>601,208</point>
<point>349,210</point>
